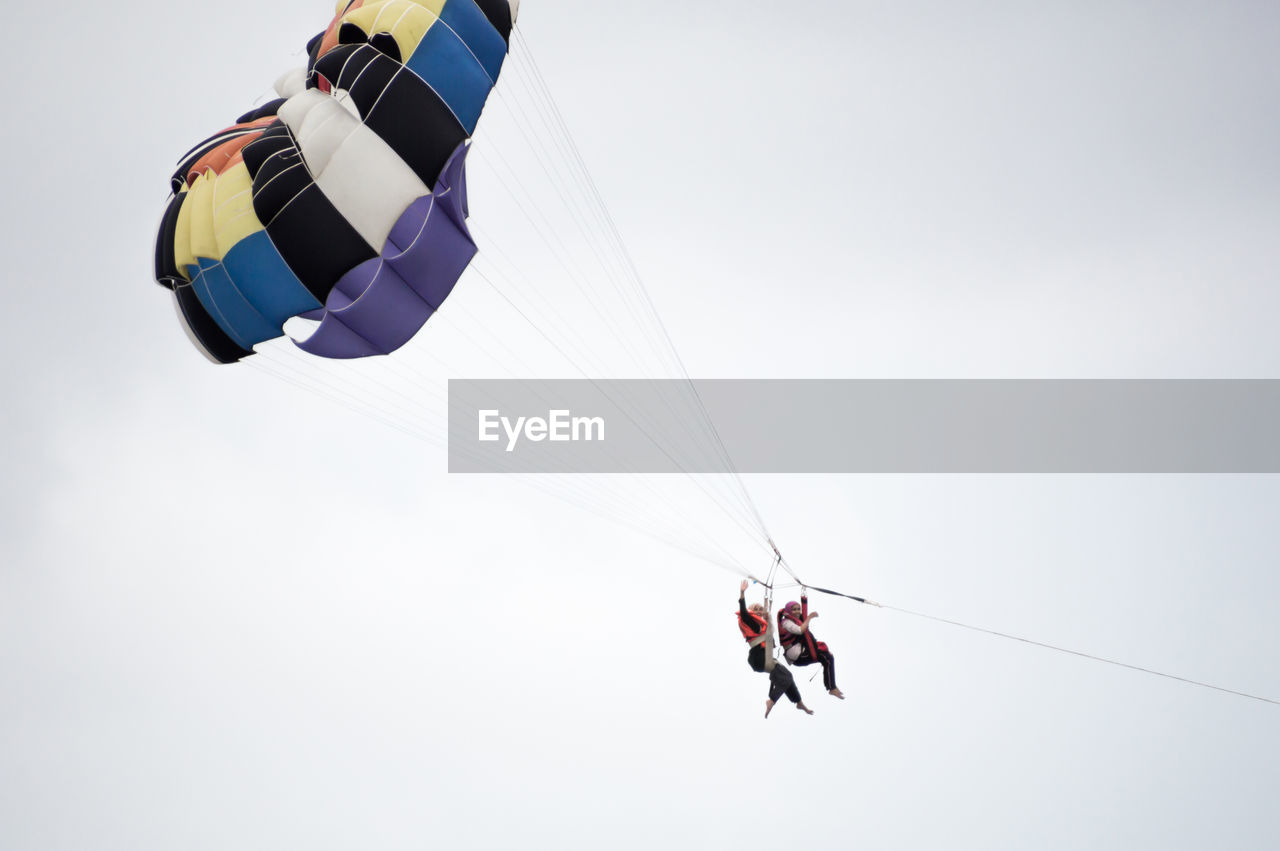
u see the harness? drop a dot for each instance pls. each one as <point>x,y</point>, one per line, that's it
<point>788,638</point>
<point>785,637</point>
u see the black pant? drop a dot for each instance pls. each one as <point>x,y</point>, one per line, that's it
<point>824,658</point>
<point>780,680</point>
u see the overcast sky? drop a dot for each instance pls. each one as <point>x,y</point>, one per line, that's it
<point>234,614</point>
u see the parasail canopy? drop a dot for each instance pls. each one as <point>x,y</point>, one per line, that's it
<point>343,200</point>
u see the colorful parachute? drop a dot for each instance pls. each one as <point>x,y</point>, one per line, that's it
<point>344,200</point>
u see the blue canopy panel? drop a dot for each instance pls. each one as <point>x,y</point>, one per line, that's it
<point>460,60</point>
<point>251,292</point>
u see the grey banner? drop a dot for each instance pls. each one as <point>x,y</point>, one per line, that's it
<point>864,426</point>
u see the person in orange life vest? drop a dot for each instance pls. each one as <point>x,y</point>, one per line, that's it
<point>799,645</point>
<point>754,623</point>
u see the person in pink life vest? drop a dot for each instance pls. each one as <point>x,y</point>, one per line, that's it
<point>799,645</point>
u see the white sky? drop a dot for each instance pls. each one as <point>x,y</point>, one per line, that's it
<point>235,615</point>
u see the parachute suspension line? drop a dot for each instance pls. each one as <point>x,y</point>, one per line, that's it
<point>575,360</point>
<point>576,169</point>
<point>1047,646</point>
<point>571,492</point>
<point>350,393</point>
<point>534,144</point>
<point>641,515</point>
<point>708,550</point>
<point>578,362</point>
<point>337,397</point>
<point>562,256</point>
<point>286,363</point>
<point>595,202</point>
<point>629,266</point>
<point>618,247</point>
<point>631,412</point>
<point>570,204</point>
<point>574,275</point>
<point>645,515</point>
<point>623,409</point>
<point>582,178</point>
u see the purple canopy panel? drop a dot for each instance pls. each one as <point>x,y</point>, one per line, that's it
<point>379,305</point>
<point>451,186</point>
<point>432,259</point>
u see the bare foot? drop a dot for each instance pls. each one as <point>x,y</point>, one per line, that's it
<point>806,710</point>
<point>835,692</point>
<point>768,707</point>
